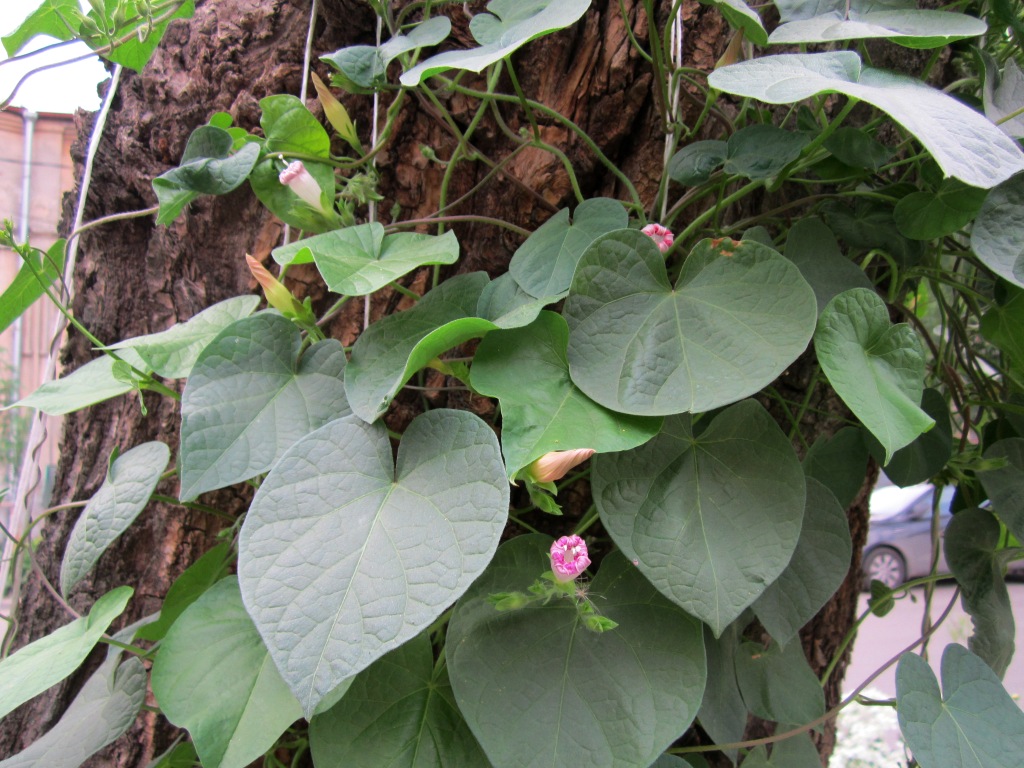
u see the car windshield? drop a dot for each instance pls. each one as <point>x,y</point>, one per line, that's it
<point>888,501</point>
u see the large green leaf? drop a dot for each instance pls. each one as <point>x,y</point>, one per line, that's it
<point>45,662</point>
<point>540,689</point>
<point>742,16</point>
<point>173,352</point>
<point>250,395</point>
<point>289,126</point>
<point>139,47</point>
<point>998,233</point>
<point>973,723</point>
<point>507,26</point>
<point>795,752</point>
<point>840,463</point>
<point>1004,95</point>
<point>544,264</point>
<point>819,565</point>
<point>93,383</point>
<point>399,712</point>
<point>928,453</point>
<point>930,215</point>
<point>738,315</point>
<point>214,676</point>
<point>814,249</point>
<point>972,542</point>
<point>207,168</point>
<point>25,289</point>
<point>355,261</point>
<point>711,518</point>
<point>723,715</point>
<point>130,482</point>
<point>1005,486</point>
<point>876,368</point>
<point>551,414</point>
<point>1002,325</point>
<point>344,556</point>
<point>900,22</point>
<point>856,148</point>
<point>186,589</point>
<point>964,143</point>
<point>102,711</point>
<point>363,68</point>
<point>761,151</point>
<point>51,18</point>
<point>778,684</point>
<point>507,305</point>
<point>694,163</point>
<point>391,350</point>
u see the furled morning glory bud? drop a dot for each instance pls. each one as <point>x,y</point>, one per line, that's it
<point>569,557</point>
<point>553,465</point>
<point>279,297</point>
<point>662,236</point>
<point>299,181</point>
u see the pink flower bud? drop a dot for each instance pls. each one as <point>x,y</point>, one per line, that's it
<point>299,181</point>
<point>569,557</point>
<point>554,465</point>
<point>662,236</point>
<point>278,296</point>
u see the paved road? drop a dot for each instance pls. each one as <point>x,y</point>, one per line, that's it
<point>881,638</point>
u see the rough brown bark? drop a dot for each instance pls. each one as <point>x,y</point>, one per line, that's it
<point>136,278</point>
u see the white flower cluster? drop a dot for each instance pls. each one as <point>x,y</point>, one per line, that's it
<point>868,737</point>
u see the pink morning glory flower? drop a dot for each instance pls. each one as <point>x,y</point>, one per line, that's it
<point>569,557</point>
<point>662,236</point>
<point>302,183</point>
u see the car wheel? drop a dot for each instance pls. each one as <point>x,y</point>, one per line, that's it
<point>886,565</point>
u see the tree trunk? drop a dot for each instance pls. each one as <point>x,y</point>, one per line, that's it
<point>135,278</point>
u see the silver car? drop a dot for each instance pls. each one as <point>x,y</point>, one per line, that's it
<point>899,544</point>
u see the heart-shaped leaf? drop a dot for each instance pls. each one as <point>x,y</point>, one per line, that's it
<point>710,518</point>
<point>363,68</point>
<point>839,462</point>
<point>173,352</point>
<point>997,236</point>
<point>930,215</point>
<point>45,662</point>
<point>186,589</point>
<point>551,414</point>
<point>723,715</point>
<point>344,556</point>
<point>973,723</point>
<point>694,163</point>
<point>289,126</point>
<point>544,264</point>
<point>819,565</point>
<point>742,16</point>
<point>910,27</point>
<point>48,19</point>
<point>507,305</point>
<point>964,143</point>
<point>93,383</point>
<point>207,168</point>
<point>213,676</point>
<point>761,151</point>
<point>391,350</point>
<point>398,712</point>
<point>876,368</point>
<point>777,683</point>
<point>972,545</point>
<point>856,148</point>
<point>738,315</point>
<point>1005,486</point>
<point>102,711</point>
<point>1004,95</point>
<point>928,453</point>
<point>814,249</point>
<point>508,25</point>
<point>130,482</point>
<point>359,260</point>
<point>619,697</point>
<point>250,396</point>
<point>1001,325</point>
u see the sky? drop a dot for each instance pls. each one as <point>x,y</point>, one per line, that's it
<point>63,89</point>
